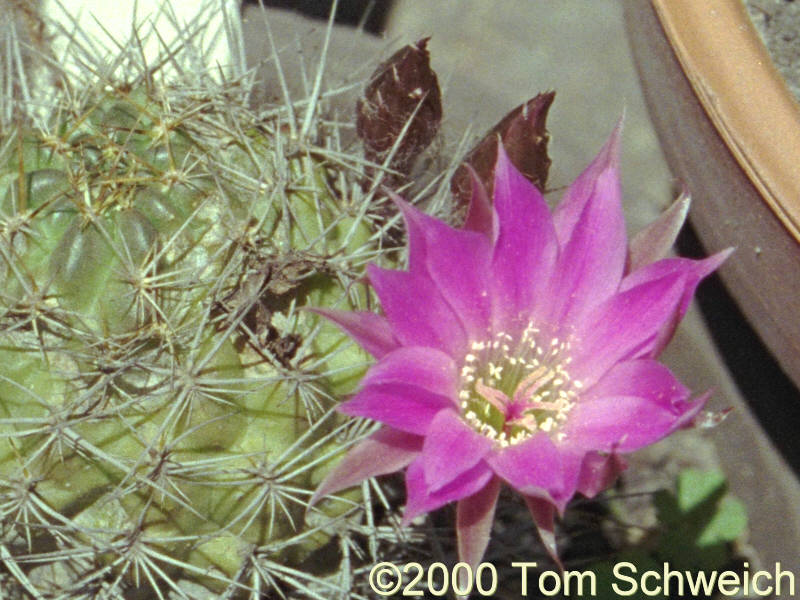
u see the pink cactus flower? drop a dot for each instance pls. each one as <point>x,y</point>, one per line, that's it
<point>521,349</point>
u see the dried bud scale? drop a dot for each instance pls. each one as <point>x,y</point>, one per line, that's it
<point>399,113</point>
<point>524,136</point>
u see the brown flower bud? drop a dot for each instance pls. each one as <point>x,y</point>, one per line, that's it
<point>403,92</point>
<point>524,136</point>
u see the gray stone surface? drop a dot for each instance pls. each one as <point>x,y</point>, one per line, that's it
<point>778,23</point>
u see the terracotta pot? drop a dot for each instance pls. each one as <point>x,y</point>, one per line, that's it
<point>730,130</point>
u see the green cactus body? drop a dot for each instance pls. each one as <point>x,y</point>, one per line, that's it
<point>164,401</point>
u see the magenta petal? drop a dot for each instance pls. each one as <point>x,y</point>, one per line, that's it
<point>385,451</point>
<point>474,518</point>
<point>627,325</point>
<point>481,217</point>
<point>457,261</point>
<point>591,230</point>
<point>637,403</point>
<point>626,423</point>
<point>371,331</point>
<point>403,406</point>
<point>643,378</point>
<point>421,366</point>
<point>568,212</point>
<point>416,310</point>
<point>451,448</point>
<point>532,467</point>
<point>693,271</point>
<point>599,472</point>
<point>421,500</point>
<point>543,514</point>
<point>654,241</point>
<point>526,247</point>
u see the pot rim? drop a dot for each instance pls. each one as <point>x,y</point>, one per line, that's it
<point>743,93</point>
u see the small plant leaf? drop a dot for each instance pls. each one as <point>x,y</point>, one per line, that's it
<point>699,521</point>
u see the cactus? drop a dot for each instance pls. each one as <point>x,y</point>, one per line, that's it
<point>165,399</point>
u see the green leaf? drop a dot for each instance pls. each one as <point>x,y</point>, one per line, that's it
<point>699,521</point>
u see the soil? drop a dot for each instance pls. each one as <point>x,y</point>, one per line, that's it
<point>778,22</point>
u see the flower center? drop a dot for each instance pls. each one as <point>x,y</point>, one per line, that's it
<point>512,388</point>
